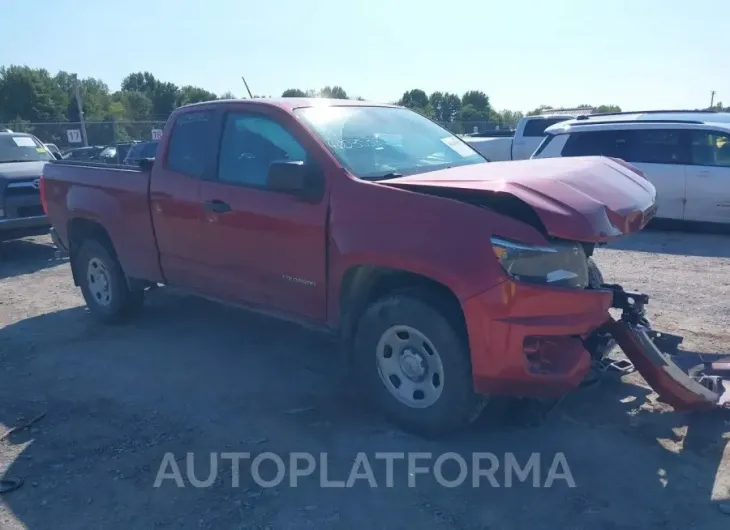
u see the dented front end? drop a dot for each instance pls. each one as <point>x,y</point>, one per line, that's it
<point>684,380</point>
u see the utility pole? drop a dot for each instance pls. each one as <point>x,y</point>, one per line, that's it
<point>712,99</point>
<point>80,106</point>
<point>247,89</point>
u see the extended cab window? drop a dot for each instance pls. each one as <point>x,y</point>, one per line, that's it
<point>537,126</point>
<point>710,149</point>
<point>250,144</point>
<point>189,142</point>
<point>598,143</point>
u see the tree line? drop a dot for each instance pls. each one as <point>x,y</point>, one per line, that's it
<point>34,95</point>
<point>472,108</point>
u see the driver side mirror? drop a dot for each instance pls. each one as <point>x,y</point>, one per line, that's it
<point>295,178</point>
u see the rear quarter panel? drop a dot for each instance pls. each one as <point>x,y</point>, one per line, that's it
<point>116,199</point>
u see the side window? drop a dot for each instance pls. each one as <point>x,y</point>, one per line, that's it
<point>537,126</point>
<point>249,146</point>
<point>710,149</point>
<point>189,142</point>
<point>149,150</point>
<point>657,146</point>
<point>599,143</point>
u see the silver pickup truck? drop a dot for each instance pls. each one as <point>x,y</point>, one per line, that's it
<point>22,158</point>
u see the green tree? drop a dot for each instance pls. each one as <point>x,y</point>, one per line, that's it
<point>478,100</point>
<point>192,94</point>
<point>163,95</point>
<point>445,106</point>
<point>293,93</point>
<point>608,108</point>
<point>143,82</point>
<point>470,113</point>
<point>137,106</point>
<point>228,95</point>
<point>164,99</point>
<point>95,98</point>
<point>29,94</point>
<point>509,118</point>
<point>334,92</point>
<point>414,99</point>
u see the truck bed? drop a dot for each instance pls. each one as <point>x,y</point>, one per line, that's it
<point>112,196</point>
<point>494,149</point>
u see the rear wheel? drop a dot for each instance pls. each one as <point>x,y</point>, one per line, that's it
<point>414,365</point>
<point>103,283</point>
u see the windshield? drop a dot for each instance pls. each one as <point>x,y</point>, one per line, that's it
<point>22,148</point>
<point>376,142</point>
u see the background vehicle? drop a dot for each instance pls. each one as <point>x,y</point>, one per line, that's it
<point>349,217</point>
<point>140,151</point>
<point>115,154</point>
<point>54,150</point>
<point>685,154</point>
<point>83,153</point>
<point>22,158</point>
<point>527,137</point>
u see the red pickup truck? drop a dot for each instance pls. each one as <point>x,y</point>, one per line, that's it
<point>449,278</point>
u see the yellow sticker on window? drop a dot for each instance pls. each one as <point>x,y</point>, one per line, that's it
<point>40,149</point>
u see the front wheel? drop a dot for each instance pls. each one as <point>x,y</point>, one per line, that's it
<point>415,366</point>
<point>103,283</point>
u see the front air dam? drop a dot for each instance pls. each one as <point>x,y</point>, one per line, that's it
<point>699,385</point>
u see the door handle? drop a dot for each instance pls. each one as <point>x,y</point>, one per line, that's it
<point>703,174</point>
<point>217,206</point>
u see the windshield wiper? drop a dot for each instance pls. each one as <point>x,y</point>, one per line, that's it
<point>386,176</point>
<point>21,160</point>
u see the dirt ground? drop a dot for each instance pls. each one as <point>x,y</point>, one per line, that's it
<point>194,377</point>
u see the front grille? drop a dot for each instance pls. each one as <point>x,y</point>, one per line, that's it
<point>30,211</point>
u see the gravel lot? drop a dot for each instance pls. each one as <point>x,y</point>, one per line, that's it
<point>194,377</point>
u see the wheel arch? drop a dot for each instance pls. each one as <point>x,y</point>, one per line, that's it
<point>364,284</point>
<point>80,229</point>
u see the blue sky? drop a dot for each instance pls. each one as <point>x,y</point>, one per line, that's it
<point>522,53</point>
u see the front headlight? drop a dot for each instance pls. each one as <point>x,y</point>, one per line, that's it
<point>562,264</point>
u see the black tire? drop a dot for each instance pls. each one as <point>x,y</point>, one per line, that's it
<point>122,302</point>
<point>457,405</point>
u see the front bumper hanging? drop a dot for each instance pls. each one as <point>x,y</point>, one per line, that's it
<point>684,380</point>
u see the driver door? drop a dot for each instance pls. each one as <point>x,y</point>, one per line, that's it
<point>263,247</point>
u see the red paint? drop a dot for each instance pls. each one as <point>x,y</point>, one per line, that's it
<point>250,255</point>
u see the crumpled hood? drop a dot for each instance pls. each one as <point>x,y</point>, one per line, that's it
<point>590,199</point>
<point>21,170</point>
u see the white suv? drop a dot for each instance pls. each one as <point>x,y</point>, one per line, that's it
<point>685,154</point>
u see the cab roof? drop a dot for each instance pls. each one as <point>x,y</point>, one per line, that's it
<point>289,104</point>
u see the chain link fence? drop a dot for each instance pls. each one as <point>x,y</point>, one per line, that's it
<point>67,135</point>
